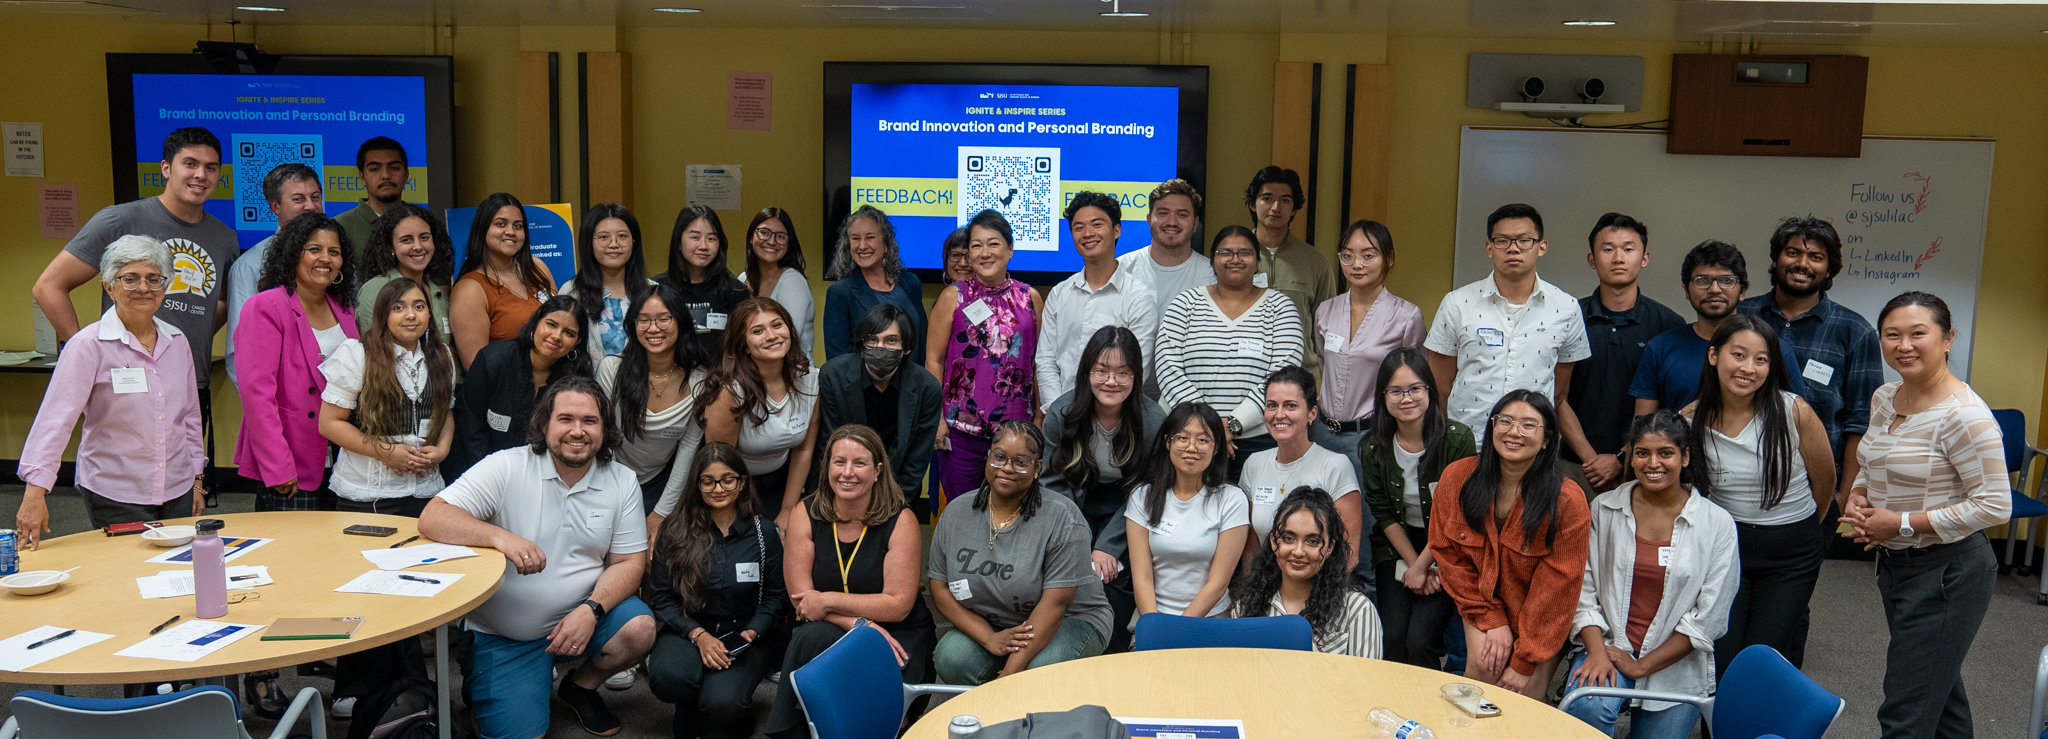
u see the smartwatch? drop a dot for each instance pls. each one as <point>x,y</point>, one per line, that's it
<point>595,607</point>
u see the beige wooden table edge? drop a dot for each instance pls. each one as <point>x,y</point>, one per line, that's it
<point>116,584</point>
<point>1303,693</point>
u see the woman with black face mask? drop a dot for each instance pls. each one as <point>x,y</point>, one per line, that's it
<point>882,388</point>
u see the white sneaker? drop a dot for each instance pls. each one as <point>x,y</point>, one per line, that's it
<point>775,677</point>
<point>620,681</point>
<point>343,708</point>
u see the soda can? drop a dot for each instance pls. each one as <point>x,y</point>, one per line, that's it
<point>963,726</point>
<point>10,561</point>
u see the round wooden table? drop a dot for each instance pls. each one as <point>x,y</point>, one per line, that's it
<point>309,559</point>
<point>1275,693</point>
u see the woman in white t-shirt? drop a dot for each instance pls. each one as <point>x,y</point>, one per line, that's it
<point>1297,461</point>
<point>1767,462</point>
<point>651,383</point>
<point>763,398</point>
<point>1186,525</point>
<point>382,407</point>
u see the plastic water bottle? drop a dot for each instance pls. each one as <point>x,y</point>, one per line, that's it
<point>209,570</point>
<point>963,726</point>
<point>1392,726</point>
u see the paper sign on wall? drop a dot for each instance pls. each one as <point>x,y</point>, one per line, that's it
<point>747,104</point>
<point>59,207</point>
<point>716,186</point>
<point>25,149</point>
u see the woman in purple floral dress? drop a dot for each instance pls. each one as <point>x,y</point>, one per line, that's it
<point>988,327</point>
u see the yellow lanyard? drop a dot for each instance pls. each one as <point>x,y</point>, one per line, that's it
<point>845,562</point>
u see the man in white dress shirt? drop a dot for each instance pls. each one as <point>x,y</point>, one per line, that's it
<point>1102,294</point>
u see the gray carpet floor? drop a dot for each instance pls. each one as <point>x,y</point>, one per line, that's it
<point>1845,651</point>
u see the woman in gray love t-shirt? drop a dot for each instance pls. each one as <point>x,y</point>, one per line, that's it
<point>1010,570</point>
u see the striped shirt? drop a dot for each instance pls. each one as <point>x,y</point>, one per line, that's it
<point>1947,461</point>
<point>1355,634</point>
<point>1207,357</point>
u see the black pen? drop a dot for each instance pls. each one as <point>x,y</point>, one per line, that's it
<point>160,627</point>
<point>419,579</point>
<point>67,632</point>
<point>241,577</point>
<point>414,538</point>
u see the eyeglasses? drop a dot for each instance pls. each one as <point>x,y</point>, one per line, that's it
<point>135,282</point>
<point>1418,390</point>
<point>239,597</point>
<point>998,460</point>
<point>1725,282</point>
<point>1237,254</point>
<point>772,237</point>
<point>727,483</point>
<point>1512,245</point>
<point>1184,441</point>
<point>1506,422</point>
<point>957,255</point>
<point>1348,257</point>
<point>1118,377</point>
<point>663,320</point>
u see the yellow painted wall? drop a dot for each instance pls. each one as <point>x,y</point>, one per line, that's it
<point>679,78</point>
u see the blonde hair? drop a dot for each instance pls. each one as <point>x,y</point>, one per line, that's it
<point>885,499</point>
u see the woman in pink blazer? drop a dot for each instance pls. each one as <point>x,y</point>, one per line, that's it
<point>303,310</point>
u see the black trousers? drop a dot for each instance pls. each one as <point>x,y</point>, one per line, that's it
<point>708,700</point>
<point>1934,600</point>
<point>102,512</point>
<point>1780,565</point>
<point>651,490</point>
<point>1102,505</point>
<point>768,488</point>
<point>786,716</point>
<point>361,674</point>
<point>1413,624</point>
<point>1247,447</point>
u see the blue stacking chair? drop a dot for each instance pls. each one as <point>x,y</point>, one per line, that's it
<point>2019,462</point>
<point>205,712</point>
<point>1163,631</point>
<point>855,690</point>
<point>1764,696</point>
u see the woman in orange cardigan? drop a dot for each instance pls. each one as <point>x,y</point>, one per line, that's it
<point>1510,536</point>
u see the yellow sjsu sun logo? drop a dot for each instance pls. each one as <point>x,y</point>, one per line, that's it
<point>192,269</point>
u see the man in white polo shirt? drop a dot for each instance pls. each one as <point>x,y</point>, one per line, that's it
<point>1510,331</point>
<point>568,521</point>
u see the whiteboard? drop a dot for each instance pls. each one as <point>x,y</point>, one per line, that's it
<point>1911,212</point>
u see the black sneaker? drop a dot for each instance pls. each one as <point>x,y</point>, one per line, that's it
<point>270,702</point>
<point>588,707</point>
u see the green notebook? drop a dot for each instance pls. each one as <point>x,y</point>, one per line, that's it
<point>286,629</point>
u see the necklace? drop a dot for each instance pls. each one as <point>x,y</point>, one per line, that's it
<point>998,528</point>
<point>660,382</point>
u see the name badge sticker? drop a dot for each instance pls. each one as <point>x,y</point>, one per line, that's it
<point>1165,528</point>
<point>747,572</point>
<point>714,321</point>
<point>1332,342</point>
<point>426,424</point>
<point>1663,556</point>
<point>1265,495</point>
<point>1818,372</point>
<point>1493,337</point>
<point>500,423</point>
<point>1251,347</point>
<point>1261,280</point>
<point>978,311</point>
<point>130,380</point>
<point>960,589</point>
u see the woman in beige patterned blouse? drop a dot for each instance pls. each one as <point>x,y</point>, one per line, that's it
<point>1933,479</point>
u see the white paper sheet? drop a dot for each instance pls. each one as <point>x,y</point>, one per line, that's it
<point>15,655</point>
<point>385,582</point>
<point>174,583</point>
<point>1183,728</point>
<point>403,557</point>
<point>231,547</point>
<point>189,641</point>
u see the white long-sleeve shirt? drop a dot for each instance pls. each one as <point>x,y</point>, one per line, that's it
<point>1699,583</point>
<point>1074,312</point>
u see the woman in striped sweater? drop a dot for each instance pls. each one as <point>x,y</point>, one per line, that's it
<point>1217,345</point>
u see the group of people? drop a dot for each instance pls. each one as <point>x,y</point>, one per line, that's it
<point>1591,483</point>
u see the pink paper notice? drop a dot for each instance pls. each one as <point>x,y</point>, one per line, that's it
<point>59,205</point>
<point>747,106</point>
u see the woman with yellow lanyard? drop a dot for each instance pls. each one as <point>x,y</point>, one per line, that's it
<point>853,556</point>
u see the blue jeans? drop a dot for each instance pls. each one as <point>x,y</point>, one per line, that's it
<point>960,660</point>
<point>1601,712</point>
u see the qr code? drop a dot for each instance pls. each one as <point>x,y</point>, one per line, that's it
<point>1021,183</point>
<point>255,155</point>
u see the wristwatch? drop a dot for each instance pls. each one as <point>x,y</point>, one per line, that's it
<point>1906,525</point>
<point>595,608</point>
<point>1236,427</point>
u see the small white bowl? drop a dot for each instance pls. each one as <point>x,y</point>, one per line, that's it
<point>170,536</point>
<point>34,582</point>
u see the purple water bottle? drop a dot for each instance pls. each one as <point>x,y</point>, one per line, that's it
<point>209,570</point>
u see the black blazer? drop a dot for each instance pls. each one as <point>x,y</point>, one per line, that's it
<point>840,402</point>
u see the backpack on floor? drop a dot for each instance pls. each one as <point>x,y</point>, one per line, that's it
<point>401,710</point>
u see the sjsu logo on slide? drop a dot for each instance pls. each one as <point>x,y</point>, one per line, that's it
<point>191,268</point>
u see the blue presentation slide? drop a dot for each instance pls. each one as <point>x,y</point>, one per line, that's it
<point>264,121</point>
<point>932,156</point>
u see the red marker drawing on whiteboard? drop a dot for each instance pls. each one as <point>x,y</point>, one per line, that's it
<point>1920,203</point>
<point>1929,254</point>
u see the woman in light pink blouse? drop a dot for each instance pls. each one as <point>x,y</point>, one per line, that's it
<point>1933,479</point>
<point>130,374</point>
<point>1354,332</point>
